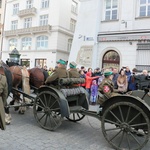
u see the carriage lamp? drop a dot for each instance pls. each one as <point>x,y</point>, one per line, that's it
<point>14,56</point>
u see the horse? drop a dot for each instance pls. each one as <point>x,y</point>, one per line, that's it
<point>37,77</point>
<point>20,78</point>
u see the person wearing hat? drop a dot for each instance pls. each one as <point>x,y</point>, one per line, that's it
<point>106,88</point>
<point>59,72</point>
<point>73,73</point>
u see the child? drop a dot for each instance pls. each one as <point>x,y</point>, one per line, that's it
<point>94,92</point>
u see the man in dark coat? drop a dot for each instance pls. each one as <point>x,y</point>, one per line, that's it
<point>58,73</point>
<point>73,73</point>
<point>3,98</point>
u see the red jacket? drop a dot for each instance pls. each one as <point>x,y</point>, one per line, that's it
<point>88,81</point>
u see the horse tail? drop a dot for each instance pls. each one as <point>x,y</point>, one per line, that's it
<point>25,82</point>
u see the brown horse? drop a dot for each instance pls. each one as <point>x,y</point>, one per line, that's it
<point>37,77</point>
<point>20,78</point>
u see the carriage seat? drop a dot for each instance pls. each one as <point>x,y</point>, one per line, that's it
<point>72,91</point>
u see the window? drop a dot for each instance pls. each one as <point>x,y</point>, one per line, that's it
<point>45,3</point>
<point>74,7</point>
<point>12,44</point>
<point>29,4</point>
<point>26,43</point>
<point>111,9</point>
<point>142,55</point>
<point>25,62</point>
<point>43,20</point>
<point>72,24</point>
<point>14,25</point>
<point>27,22</point>
<point>69,45</point>
<point>144,8</point>
<point>111,59</point>
<point>40,63</point>
<point>42,42</point>
<point>15,9</point>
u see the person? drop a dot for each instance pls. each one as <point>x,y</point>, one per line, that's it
<point>106,88</point>
<point>122,82</point>
<point>3,101</point>
<point>73,73</point>
<point>128,73</point>
<point>115,77</point>
<point>94,92</point>
<point>97,72</point>
<point>132,85</point>
<point>82,75</point>
<point>88,82</point>
<point>59,72</point>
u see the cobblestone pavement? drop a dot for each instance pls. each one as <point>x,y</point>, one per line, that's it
<point>25,134</point>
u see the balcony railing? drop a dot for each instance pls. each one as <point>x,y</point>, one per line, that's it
<point>26,12</point>
<point>32,30</point>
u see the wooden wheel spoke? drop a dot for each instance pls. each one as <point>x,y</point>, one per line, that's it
<point>140,124</point>
<point>134,118</point>
<point>78,115</point>
<point>109,121</point>
<point>38,105</point>
<point>53,104</point>
<point>128,112</point>
<point>115,135</point>
<point>121,139</point>
<point>49,100</point>
<point>135,138</point>
<point>41,102</point>
<point>46,120</point>
<point>128,141</point>
<point>111,129</point>
<point>42,117</point>
<point>121,114</point>
<point>45,99</point>
<point>74,116</point>
<point>115,117</point>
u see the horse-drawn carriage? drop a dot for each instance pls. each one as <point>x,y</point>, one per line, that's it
<point>125,119</point>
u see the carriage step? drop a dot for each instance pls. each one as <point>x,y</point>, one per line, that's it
<point>76,108</point>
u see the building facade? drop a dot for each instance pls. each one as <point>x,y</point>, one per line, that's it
<point>122,34</point>
<point>42,31</point>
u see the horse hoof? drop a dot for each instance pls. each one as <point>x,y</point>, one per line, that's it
<point>7,123</point>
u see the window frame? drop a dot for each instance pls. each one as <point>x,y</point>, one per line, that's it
<point>147,4</point>
<point>28,22</point>
<point>43,21</point>
<point>14,25</point>
<point>74,7</point>
<point>29,4</point>
<point>14,40</point>
<point>15,8</point>
<point>44,4</point>
<point>69,44</point>
<point>110,10</point>
<point>26,41</point>
<point>72,24</point>
<point>42,40</point>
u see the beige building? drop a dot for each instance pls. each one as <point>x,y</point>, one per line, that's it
<point>42,31</point>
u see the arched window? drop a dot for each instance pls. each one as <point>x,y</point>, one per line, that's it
<point>26,43</point>
<point>12,44</point>
<point>111,59</point>
<point>69,45</point>
<point>42,42</point>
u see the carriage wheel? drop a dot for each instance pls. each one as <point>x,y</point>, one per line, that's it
<point>125,126</point>
<point>47,110</point>
<point>74,117</point>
